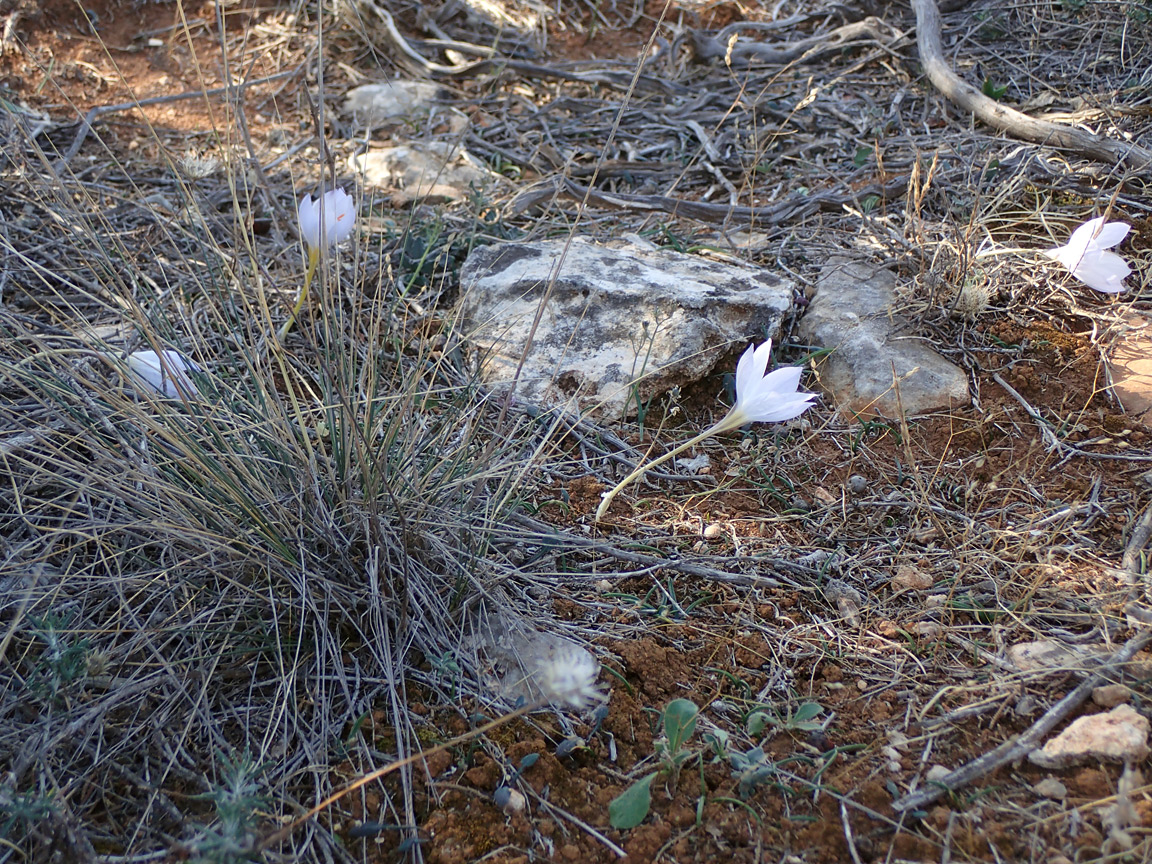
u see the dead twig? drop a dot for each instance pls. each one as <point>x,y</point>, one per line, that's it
<point>1015,123</point>
<point>421,65</point>
<point>96,113</point>
<point>1021,746</point>
<point>743,52</point>
<point>1066,451</point>
<point>549,533</point>
<point>796,207</point>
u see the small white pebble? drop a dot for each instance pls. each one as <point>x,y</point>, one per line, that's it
<point>928,630</point>
<point>713,531</point>
<point>1050,787</point>
<point>515,803</point>
<point>937,773</point>
<point>857,484</point>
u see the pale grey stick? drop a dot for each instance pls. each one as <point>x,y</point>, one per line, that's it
<point>1015,123</point>
<point>1018,748</point>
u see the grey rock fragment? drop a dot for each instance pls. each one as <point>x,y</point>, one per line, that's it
<point>853,310</point>
<point>1119,735</point>
<point>430,172</point>
<point>622,323</point>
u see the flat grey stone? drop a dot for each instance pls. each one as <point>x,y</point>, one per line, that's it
<point>429,172</point>
<point>621,322</point>
<point>853,311</point>
<point>390,102</point>
<point>1119,735</point>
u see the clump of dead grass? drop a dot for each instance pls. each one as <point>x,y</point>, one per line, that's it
<point>213,593</point>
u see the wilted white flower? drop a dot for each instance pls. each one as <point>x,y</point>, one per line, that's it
<point>760,398</point>
<point>324,222</point>
<point>568,677</point>
<point>165,373</point>
<point>327,220</point>
<point>1087,257</point>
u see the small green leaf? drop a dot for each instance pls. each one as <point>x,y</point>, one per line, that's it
<point>679,723</point>
<point>992,91</point>
<point>807,711</point>
<point>630,807</point>
<point>863,154</point>
<point>757,722</point>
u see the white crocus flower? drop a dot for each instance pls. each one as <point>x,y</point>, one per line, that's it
<point>327,220</point>
<point>1087,257</point>
<point>324,222</point>
<point>165,373</point>
<point>764,398</point>
<point>760,398</point>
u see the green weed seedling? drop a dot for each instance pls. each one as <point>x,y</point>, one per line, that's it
<point>630,807</point>
<point>237,799</point>
<point>447,670</point>
<point>803,719</point>
<point>751,769</point>
<point>19,811</point>
<point>62,661</point>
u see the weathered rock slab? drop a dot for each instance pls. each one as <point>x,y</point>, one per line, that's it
<point>852,310</point>
<point>1119,735</point>
<point>1130,367</point>
<point>371,106</point>
<point>622,322</point>
<point>430,172</point>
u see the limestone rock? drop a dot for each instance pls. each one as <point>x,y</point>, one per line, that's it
<point>1119,735</point>
<point>1050,787</point>
<point>1111,695</point>
<point>1049,654</point>
<point>852,310</point>
<point>622,322</point>
<point>432,172</point>
<point>1130,367</point>
<point>391,102</point>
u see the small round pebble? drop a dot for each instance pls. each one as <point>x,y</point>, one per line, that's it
<point>857,484</point>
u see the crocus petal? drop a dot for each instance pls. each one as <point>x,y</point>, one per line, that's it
<point>1110,235</point>
<point>1072,251</point>
<point>309,215</point>
<point>751,367</point>
<point>164,373</point>
<point>778,408</point>
<point>1104,271</point>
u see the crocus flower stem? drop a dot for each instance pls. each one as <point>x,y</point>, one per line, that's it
<point>734,419</point>
<point>313,260</point>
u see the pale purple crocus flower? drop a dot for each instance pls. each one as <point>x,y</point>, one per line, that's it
<point>1086,255</point>
<point>324,222</point>
<point>760,398</point>
<point>165,373</point>
<point>327,220</point>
